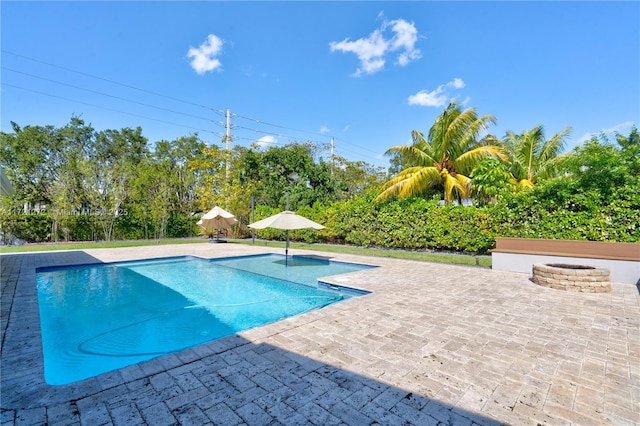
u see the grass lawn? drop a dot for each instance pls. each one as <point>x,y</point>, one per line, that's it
<point>426,256</point>
<point>94,245</point>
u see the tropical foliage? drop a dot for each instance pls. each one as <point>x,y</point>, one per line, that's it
<point>531,158</point>
<point>113,184</point>
<point>490,180</point>
<point>445,158</point>
<point>110,184</point>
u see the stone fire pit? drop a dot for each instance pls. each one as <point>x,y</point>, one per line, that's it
<point>569,277</point>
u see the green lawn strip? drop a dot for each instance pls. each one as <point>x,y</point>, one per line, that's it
<point>456,259</point>
<point>95,245</point>
<point>452,258</point>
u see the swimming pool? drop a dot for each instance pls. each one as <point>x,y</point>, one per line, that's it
<point>98,318</point>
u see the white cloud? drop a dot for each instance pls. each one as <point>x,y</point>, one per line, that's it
<point>374,50</point>
<point>324,129</point>
<point>266,140</point>
<point>619,128</point>
<point>456,83</point>
<point>437,97</point>
<point>405,38</point>
<point>204,58</point>
<point>424,98</point>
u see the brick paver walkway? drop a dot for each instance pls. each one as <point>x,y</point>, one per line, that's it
<point>432,344</point>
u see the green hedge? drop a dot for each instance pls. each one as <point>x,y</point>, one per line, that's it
<point>317,214</point>
<point>414,224</point>
<point>32,228</point>
<point>554,211</point>
<point>559,210</point>
<point>404,224</point>
<point>36,228</point>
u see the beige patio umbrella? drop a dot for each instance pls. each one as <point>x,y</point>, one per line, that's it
<point>286,220</point>
<point>217,218</point>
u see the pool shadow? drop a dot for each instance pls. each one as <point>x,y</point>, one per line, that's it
<point>317,257</point>
<point>228,381</point>
<point>305,260</point>
<point>291,388</point>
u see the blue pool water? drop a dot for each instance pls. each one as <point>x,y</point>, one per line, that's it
<point>100,318</point>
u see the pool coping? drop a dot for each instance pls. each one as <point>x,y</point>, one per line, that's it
<point>325,287</point>
<point>30,372</point>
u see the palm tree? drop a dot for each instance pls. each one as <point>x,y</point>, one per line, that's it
<point>446,157</point>
<point>531,157</point>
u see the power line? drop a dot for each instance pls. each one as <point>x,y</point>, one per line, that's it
<point>277,125</point>
<point>105,108</point>
<point>322,145</point>
<point>281,135</point>
<point>108,95</point>
<point>217,111</point>
<point>221,112</point>
<point>368,151</point>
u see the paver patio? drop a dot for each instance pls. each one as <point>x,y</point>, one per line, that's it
<point>431,344</point>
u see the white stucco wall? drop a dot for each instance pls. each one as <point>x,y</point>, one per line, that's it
<point>622,271</point>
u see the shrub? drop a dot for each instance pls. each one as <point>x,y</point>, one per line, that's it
<point>29,227</point>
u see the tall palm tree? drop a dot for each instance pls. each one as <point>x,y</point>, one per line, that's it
<point>531,157</point>
<point>446,157</point>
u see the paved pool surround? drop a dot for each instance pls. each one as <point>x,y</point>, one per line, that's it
<point>431,344</point>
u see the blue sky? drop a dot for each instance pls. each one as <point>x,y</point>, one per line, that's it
<point>364,73</point>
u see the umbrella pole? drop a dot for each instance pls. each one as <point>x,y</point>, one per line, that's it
<point>286,250</point>
<point>286,247</point>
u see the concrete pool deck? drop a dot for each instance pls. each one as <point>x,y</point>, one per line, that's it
<point>432,344</point>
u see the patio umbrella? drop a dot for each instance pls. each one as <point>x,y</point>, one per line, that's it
<point>217,218</point>
<point>286,220</point>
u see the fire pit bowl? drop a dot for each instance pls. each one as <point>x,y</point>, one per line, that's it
<point>580,278</point>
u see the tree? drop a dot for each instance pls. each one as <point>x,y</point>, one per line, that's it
<point>630,150</point>
<point>489,179</point>
<point>109,169</point>
<point>69,192</point>
<point>603,168</point>
<point>43,162</point>
<point>209,171</point>
<point>396,163</point>
<point>149,197</point>
<point>32,157</point>
<point>286,171</point>
<point>445,158</point>
<point>290,169</point>
<point>175,159</point>
<point>356,177</point>
<point>531,157</point>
